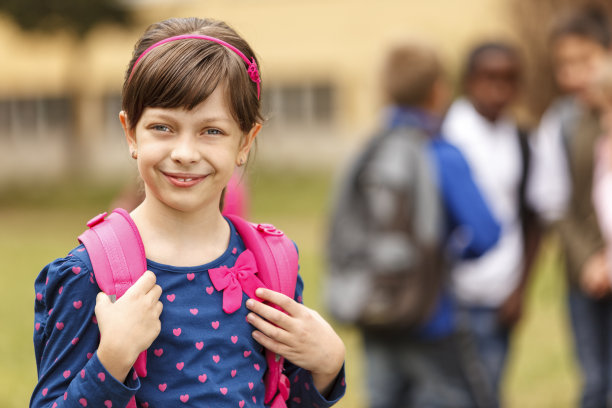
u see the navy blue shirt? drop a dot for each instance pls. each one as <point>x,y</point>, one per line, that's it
<point>203,357</point>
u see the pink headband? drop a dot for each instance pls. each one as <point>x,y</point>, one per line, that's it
<point>252,65</point>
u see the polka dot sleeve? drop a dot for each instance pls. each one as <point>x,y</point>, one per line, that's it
<point>66,338</point>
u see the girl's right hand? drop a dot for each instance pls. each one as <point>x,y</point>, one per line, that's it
<point>128,326</point>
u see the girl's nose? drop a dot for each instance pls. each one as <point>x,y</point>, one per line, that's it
<point>185,150</point>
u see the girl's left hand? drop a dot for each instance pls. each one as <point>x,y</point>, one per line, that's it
<point>301,335</point>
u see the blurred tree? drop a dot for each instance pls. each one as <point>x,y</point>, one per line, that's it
<point>533,21</point>
<point>78,18</point>
<point>78,15</point>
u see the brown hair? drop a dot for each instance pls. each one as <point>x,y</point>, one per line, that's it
<point>589,22</point>
<point>409,73</point>
<point>184,73</point>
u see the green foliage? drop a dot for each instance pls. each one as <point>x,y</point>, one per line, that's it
<point>78,15</point>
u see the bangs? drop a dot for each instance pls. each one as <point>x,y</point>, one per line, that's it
<point>184,74</point>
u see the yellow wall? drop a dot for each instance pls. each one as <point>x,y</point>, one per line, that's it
<point>340,41</point>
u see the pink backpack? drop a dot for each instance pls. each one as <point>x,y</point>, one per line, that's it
<point>118,259</point>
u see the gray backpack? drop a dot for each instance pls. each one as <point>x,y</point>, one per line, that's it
<point>385,263</point>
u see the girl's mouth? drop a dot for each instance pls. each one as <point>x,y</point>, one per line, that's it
<point>183,180</point>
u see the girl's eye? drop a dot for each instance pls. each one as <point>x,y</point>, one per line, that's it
<point>213,132</point>
<point>160,128</point>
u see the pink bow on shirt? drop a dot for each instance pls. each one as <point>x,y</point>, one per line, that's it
<point>233,281</point>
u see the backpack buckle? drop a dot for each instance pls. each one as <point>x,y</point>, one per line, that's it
<point>97,220</point>
<point>270,230</point>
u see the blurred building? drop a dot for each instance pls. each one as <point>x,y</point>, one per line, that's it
<point>60,95</point>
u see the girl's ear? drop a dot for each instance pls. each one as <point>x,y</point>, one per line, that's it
<point>129,134</point>
<point>247,144</point>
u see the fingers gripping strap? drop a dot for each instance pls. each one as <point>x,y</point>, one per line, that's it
<point>277,264</point>
<point>117,255</point>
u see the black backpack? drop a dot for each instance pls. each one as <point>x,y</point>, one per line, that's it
<point>387,276</point>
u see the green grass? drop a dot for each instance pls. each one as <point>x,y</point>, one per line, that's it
<point>37,225</point>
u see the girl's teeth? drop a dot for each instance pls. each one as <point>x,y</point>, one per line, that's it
<point>184,179</point>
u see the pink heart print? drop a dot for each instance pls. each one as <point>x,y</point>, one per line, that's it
<point>184,398</point>
<point>199,345</point>
<point>171,297</point>
<point>176,332</point>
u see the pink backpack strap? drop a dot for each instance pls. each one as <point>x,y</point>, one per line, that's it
<point>118,259</point>
<point>277,263</point>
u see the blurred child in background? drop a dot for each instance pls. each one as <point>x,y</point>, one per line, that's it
<point>490,289</point>
<point>563,148</point>
<point>408,198</point>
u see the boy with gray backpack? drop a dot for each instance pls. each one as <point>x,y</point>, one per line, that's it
<point>406,208</point>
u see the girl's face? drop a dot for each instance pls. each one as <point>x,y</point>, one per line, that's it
<point>186,157</point>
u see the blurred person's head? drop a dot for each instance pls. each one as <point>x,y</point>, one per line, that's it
<point>413,77</point>
<point>600,93</point>
<point>579,41</point>
<point>491,78</point>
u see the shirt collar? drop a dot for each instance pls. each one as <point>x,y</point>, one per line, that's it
<point>414,117</point>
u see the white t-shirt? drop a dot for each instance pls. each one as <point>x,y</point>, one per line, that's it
<point>493,152</point>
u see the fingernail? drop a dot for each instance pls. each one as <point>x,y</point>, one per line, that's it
<point>250,303</point>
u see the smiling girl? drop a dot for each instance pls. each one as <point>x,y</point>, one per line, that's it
<point>190,116</point>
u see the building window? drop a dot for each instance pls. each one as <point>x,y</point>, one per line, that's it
<point>31,119</point>
<point>309,105</point>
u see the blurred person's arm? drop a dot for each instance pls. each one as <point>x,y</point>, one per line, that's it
<point>579,228</point>
<point>549,184</point>
<point>511,310</point>
<point>475,229</point>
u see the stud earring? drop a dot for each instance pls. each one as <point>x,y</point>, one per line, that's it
<point>134,154</point>
<point>241,162</point>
